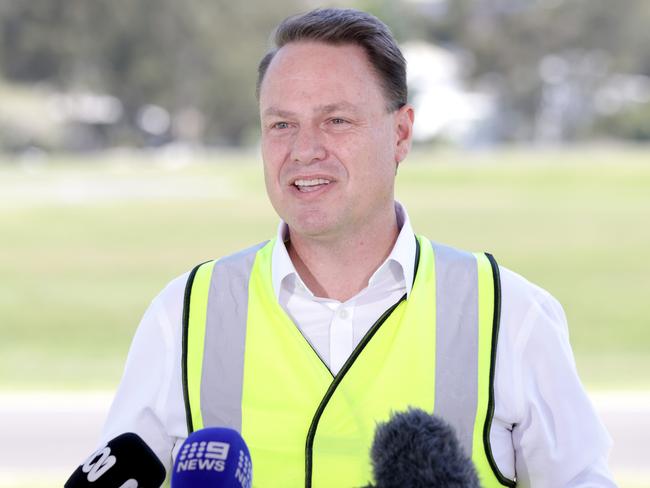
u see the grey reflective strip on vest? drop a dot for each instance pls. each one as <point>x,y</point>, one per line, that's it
<point>456,390</point>
<point>225,334</point>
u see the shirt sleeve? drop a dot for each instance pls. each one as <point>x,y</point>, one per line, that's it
<point>558,439</point>
<point>149,399</point>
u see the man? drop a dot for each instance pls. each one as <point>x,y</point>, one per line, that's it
<point>304,342</point>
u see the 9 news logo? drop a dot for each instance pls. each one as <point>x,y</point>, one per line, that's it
<point>203,455</point>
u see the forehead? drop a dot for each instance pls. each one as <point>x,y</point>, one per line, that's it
<point>320,73</point>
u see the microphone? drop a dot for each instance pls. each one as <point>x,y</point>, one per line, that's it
<point>215,457</point>
<point>419,450</point>
<point>125,462</point>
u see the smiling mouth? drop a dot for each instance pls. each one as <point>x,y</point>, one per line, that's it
<point>310,185</point>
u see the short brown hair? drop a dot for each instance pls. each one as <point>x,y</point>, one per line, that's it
<point>347,26</point>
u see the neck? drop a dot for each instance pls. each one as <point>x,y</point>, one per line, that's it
<point>340,268</point>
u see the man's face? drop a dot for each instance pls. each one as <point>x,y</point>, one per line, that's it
<point>329,145</point>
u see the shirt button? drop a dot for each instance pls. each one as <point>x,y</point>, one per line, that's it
<point>343,313</point>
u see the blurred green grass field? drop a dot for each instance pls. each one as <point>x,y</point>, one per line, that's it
<point>87,242</point>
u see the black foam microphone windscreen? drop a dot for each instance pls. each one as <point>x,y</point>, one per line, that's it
<point>417,450</point>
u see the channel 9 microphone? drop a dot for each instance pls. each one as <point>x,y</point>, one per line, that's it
<point>417,450</point>
<point>125,462</point>
<point>215,457</point>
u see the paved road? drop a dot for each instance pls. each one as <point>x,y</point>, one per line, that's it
<point>44,436</point>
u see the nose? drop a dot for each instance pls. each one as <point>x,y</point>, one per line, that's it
<point>307,146</point>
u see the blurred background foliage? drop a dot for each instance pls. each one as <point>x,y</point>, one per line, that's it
<point>79,75</point>
<point>136,73</point>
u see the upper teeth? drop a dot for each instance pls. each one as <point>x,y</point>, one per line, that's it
<point>314,182</point>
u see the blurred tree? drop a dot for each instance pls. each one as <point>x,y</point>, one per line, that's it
<point>545,59</point>
<point>197,56</point>
<point>631,123</point>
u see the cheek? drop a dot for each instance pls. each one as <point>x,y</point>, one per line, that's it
<point>272,157</point>
<point>378,153</point>
<point>272,182</point>
<point>268,175</point>
<point>271,175</point>
<point>267,151</point>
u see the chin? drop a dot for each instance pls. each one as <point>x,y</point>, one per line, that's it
<point>312,226</point>
<point>310,231</point>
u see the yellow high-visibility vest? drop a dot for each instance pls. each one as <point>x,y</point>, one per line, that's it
<point>247,366</point>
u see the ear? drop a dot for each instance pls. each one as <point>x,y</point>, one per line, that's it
<point>404,118</point>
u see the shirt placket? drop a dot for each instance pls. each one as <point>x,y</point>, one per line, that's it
<point>341,336</point>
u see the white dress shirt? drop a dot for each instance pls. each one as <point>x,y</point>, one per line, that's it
<point>335,328</point>
<point>545,429</point>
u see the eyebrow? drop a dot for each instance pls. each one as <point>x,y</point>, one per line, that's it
<point>274,111</point>
<point>322,109</point>
<point>335,107</point>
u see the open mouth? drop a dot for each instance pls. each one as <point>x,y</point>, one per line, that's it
<point>306,186</point>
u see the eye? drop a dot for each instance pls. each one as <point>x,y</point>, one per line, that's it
<point>280,125</point>
<point>338,121</point>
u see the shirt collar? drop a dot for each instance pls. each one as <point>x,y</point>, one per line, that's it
<point>403,253</point>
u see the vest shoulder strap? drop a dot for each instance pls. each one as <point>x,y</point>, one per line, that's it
<point>468,298</point>
<point>226,282</point>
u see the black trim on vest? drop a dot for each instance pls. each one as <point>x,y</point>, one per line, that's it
<point>186,325</point>
<point>493,361</point>
<point>341,374</point>
<point>417,260</point>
